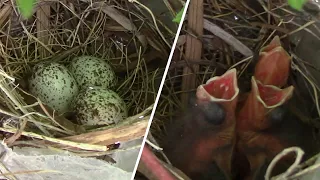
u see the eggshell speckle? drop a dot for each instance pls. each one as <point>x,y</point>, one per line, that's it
<point>92,71</point>
<point>99,106</point>
<point>53,84</point>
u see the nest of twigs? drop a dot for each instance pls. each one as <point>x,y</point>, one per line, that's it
<point>232,34</point>
<point>133,39</point>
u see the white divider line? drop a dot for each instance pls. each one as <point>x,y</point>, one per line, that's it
<point>160,88</point>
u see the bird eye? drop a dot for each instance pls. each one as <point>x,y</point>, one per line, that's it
<point>277,115</point>
<point>214,113</point>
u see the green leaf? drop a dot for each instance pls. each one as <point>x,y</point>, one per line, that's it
<point>297,4</point>
<point>178,17</point>
<point>26,7</point>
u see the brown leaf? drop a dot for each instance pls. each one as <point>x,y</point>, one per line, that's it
<point>113,135</point>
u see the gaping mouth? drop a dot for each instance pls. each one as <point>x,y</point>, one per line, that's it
<point>220,88</point>
<point>274,64</point>
<point>261,100</point>
<point>270,96</point>
<point>271,74</point>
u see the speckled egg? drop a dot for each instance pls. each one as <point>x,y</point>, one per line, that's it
<point>53,84</point>
<point>99,106</point>
<point>92,71</point>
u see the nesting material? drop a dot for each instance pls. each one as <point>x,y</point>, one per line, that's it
<point>121,34</point>
<point>254,24</point>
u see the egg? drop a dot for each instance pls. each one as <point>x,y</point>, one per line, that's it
<point>99,106</point>
<point>92,71</point>
<point>54,85</point>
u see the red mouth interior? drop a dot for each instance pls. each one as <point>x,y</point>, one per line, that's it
<point>222,88</point>
<point>270,95</point>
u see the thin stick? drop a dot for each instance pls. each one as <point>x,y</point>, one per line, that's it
<point>311,83</point>
<point>59,141</point>
<point>154,20</point>
<point>228,38</point>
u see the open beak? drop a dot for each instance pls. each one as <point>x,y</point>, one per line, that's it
<point>260,102</point>
<point>274,64</point>
<point>258,145</point>
<point>224,91</point>
<point>221,89</point>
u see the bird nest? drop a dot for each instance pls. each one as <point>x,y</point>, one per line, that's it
<point>129,35</point>
<point>231,36</point>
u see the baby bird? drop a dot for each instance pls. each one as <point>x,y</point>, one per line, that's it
<point>264,125</point>
<point>215,140</point>
<point>202,141</point>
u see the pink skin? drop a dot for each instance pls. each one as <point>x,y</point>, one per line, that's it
<point>271,73</point>
<point>194,144</point>
<point>262,98</point>
<point>260,101</point>
<point>252,119</point>
<point>274,64</point>
<point>222,90</point>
